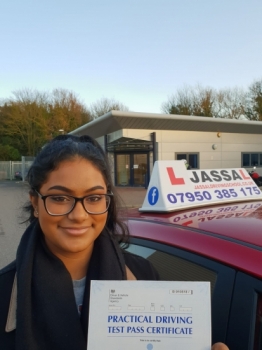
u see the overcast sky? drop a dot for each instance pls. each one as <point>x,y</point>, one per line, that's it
<point>138,52</point>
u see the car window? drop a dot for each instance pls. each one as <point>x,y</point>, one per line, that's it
<point>176,264</point>
<point>173,268</point>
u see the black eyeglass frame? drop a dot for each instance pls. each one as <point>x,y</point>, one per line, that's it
<point>76,199</point>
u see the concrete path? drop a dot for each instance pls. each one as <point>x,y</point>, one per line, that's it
<point>131,196</point>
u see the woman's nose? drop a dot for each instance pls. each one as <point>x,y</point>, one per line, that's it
<point>78,212</point>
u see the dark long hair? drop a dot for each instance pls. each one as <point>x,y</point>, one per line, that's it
<point>66,147</point>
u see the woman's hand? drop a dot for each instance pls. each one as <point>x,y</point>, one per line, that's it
<point>219,346</point>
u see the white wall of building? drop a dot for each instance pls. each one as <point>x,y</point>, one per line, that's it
<point>227,152</point>
<point>101,141</point>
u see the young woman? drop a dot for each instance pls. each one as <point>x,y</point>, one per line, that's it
<point>74,236</point>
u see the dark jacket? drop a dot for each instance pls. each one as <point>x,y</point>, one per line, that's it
<point>7,277</point>
<point>140,268</point>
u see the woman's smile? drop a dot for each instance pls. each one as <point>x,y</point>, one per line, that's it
<point>75,231</point>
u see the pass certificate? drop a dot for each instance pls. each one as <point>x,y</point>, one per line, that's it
<point>149,315</point>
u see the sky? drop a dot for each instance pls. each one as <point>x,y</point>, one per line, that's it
<point>138,52</point>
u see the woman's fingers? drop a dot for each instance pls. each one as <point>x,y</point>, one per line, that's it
<point>219,346</point>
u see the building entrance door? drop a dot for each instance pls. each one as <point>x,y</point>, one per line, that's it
<point>132,169</point>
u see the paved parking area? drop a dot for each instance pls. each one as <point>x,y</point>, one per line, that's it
<point>131,196</point>
<point>13,196</point>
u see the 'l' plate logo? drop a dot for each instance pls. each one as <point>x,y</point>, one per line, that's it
<point>153,196</point>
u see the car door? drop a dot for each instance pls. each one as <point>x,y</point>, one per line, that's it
<point>180,265</point>
<point>245,322</point>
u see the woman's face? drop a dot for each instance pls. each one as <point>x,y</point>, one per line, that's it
<point>72,234</point>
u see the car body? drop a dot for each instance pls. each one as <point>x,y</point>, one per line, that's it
<point>18,175</point>
<point>218,243</point>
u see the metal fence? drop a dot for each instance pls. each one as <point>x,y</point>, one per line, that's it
<point>9,168</point>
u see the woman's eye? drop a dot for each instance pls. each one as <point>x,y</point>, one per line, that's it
<point>93,199</point>
<point>59,199</point>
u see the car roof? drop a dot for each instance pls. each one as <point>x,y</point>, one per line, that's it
<point>241,221</point>
<point>230,233</point>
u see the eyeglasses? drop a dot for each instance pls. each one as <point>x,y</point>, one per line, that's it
<point>61,204</point>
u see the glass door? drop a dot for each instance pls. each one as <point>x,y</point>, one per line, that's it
<point>132,169</point>
<point>123,170</point>
<point>139,168</point>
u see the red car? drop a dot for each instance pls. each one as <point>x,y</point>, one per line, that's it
<point>217,243</point>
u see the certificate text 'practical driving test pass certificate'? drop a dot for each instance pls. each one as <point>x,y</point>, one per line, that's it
<point>149,315</point>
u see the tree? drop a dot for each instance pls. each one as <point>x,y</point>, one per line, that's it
<point>9,153</point>
<point>254,105</point>
<point>25,120</point>
<point>180,103</point>
<point>230,103</point>
<point>105,105</point>
<point>203,100</point>
<point>30,118</point>
<point>66,111</point>
<point>207,102</point>
<point>196,101</point>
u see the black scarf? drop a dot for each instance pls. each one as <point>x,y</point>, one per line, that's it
<point>47,317</point>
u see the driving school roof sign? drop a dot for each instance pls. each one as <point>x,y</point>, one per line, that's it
<point>173,187</point>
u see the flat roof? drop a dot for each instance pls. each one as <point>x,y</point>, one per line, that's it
<point>118,120</point>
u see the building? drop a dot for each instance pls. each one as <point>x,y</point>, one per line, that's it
<point>134,141</point>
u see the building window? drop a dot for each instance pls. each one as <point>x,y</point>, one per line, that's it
<point>191,158</point>
<point>251,159</point>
